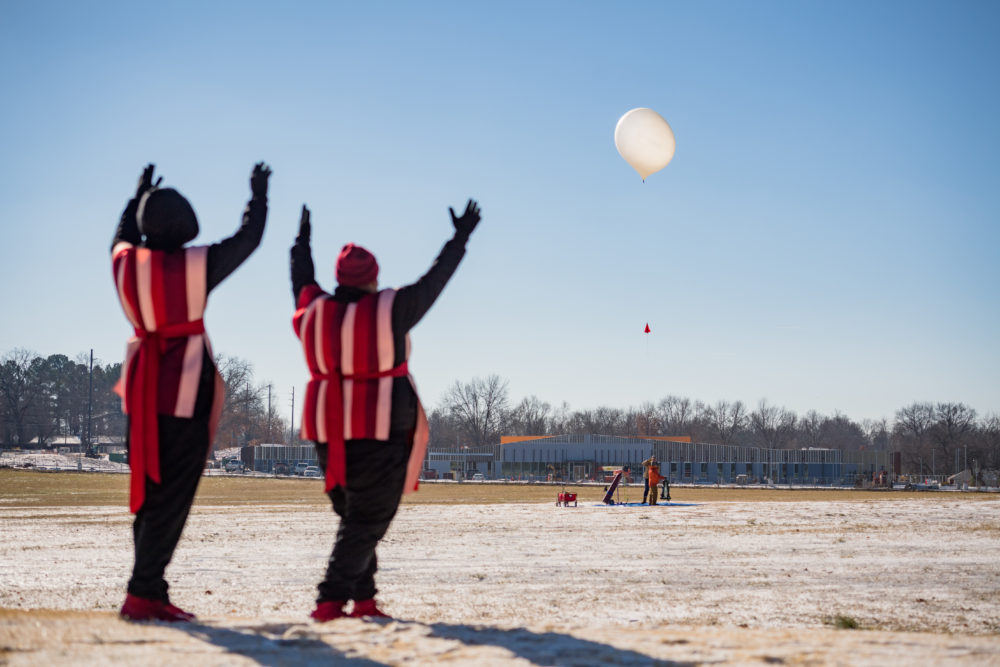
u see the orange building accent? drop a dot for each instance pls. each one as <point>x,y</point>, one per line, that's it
<point>505,439</point>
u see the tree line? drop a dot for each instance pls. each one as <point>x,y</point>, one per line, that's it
<point>45,398</point>
<point>940,438</point>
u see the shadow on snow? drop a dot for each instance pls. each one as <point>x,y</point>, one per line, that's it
<point>547,648</point>
<point>296,643</point>
<point>275,644</point>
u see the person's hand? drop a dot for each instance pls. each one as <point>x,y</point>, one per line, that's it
<point>258,179</point>
<point>305,229</point>
<point>146,181</point>
<point>469,219</point>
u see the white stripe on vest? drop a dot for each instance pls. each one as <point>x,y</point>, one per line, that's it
<point>195,278</point>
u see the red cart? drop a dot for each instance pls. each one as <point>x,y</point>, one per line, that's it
<point>565,498</point>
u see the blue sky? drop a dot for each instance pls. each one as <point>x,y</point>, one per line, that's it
<point>825,238</point>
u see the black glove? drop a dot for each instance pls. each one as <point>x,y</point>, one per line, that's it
<point>146,181</point>
<point>258,180</point>
<point>305,229</point>
<point>469,219</point>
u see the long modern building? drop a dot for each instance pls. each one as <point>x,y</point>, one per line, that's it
<point>592,457</point>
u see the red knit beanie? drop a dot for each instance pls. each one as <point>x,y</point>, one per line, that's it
<point>356,266</point>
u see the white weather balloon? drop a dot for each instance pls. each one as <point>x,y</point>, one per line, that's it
<point>645,140</point>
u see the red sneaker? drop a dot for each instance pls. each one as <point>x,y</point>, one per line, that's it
<point>144,609</point>
<point>367,608</point>
<point>177,614</point>
<point>327,611</point>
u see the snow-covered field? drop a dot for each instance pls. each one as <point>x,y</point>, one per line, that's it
<point>53,461</point>
<point>715,582</point>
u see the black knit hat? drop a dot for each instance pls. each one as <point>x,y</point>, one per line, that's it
<point>166,219</point>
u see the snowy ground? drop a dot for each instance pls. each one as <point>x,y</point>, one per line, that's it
<point>51,461</point>
<point>717,582</point>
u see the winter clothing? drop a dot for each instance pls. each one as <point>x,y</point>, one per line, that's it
<point>654,478</point>
<point>351,355</point>
<point>142,609</point>
<point>328,611</point>
<point>170,387</point>
<point>166,219</point>
<point>645,477</point>
<point>361,408</point>
<point>356,266</point>
<point>367,609</point>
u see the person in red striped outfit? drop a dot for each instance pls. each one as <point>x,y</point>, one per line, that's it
<point>361,407</point>
<point>170,388</point>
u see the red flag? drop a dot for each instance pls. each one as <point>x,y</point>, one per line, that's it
<point>647,328</point>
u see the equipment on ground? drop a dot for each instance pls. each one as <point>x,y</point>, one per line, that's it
<point>608,497</point>
<point>565,498</point>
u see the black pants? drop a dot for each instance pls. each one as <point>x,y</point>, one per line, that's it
<point>376,471</point>
<point>645,488</point>
<point>159,522</point>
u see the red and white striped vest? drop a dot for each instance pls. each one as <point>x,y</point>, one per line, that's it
<point>163,295</point>
<point>350,352</point>
<point>158,291</point>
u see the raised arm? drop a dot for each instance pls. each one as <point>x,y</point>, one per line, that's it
<point>303,272</point>
<point>128,226</point>
<point>225,256</point>
<point>414,300</point>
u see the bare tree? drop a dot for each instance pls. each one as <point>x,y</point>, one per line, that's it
<point>809,434</point>
<point>529,417</point>
<point>773,427</point>
<point>726,420</point>
<point>877,433</point>
<point>444,431</point>
<point>645,420</point>
<point>987,443</point>
<point>602,420</point>
<point>479,408</point>
<point>240,422</point>
<point>675,414</point>
<point>910,437</point>
<point>839,432</point>
<point>952,429</point>
<point>559,420</point>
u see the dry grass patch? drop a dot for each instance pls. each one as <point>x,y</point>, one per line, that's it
<point>25,488</point>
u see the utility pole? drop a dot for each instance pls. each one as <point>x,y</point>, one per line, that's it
<point>90,412</point>
<point>269,412</point>
<point>291,430</point>
<point>90,398</point>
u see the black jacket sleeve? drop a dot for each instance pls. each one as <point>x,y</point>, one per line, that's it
<point>303,272</point>
<point>128,226</point>
<point>225,256</point>
<point>414,300</point>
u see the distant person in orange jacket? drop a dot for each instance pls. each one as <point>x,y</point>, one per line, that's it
<point>654,479</point>
<point>645,477</point>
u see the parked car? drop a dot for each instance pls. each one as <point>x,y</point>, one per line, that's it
<point>234,465</point>
<point>478,477</point>
<point>300,468</point>
<point>312,471</point>
<point>282,468</point>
